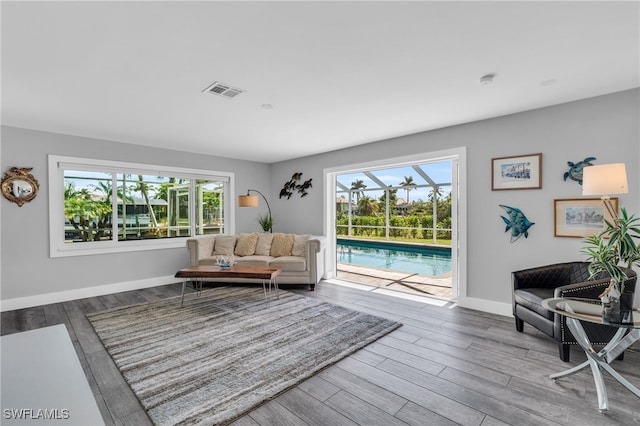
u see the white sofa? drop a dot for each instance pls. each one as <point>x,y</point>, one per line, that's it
<point>301,257</point>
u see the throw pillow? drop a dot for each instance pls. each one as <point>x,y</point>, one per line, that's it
<point>281,245</point>
<point>300,245</point>
<point>224,245</point>
<point>246,245</point>
<point>263,247</point>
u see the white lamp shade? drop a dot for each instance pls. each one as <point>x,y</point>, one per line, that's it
<point>604,179</point>
<point>248,201</point>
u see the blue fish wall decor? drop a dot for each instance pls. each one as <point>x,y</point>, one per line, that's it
<point>517,222</point>
<point>575,169</point>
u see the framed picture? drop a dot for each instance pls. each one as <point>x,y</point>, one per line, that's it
<point>581,217</point>
<point>519,172</point>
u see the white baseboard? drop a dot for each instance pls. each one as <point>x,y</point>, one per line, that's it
<point>81,293</point>
<point>490,306</point>
<point>484,305</point>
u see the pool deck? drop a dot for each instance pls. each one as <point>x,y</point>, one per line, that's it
<point>439,286</point>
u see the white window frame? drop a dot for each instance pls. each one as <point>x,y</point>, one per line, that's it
<point>58,164</point>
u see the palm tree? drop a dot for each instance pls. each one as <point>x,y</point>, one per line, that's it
<point>434,194</point>
<point>367,206</point>
<point>408,185</point>
<point>393,196</point>
<point>162,193</point>
<point>143,187</point>
<point>104,188</point>
<point>358,186</point>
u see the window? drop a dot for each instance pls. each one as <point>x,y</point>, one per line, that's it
<point>104,206</point>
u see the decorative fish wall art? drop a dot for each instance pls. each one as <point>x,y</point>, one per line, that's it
<point>517,222</point>
<point>575,169</point>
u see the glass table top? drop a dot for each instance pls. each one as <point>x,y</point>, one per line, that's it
<point>590,312</point>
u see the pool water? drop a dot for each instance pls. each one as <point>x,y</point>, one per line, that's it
<point>421,260</point>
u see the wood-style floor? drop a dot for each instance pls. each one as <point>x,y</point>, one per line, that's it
<point>445,366</point>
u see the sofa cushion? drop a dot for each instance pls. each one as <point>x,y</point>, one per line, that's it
<point>246,244</point>
<point>205,246</point>
<point>300,245</point>
<point>263,246</point>
<point>224,244</point>
<point>282,245</point>
<point>290,263</point>
<point>254,260</point>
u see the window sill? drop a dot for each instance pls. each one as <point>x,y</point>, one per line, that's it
<point>105,247</point>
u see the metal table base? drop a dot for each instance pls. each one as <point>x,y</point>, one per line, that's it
<point>600,360</point>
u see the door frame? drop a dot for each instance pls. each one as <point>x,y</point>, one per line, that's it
<point>458,157</point>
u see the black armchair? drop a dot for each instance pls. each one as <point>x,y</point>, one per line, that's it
<point>571,279</point>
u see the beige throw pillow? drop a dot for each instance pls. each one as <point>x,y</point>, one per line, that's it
<point>224,245</point>
<point>263,247</point>
<point>300,245</point>
<point>281,245</point>
<point>246,245</point>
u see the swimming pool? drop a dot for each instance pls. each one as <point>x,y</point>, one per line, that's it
<point>417,259</point>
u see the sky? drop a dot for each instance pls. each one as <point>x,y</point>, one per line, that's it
<point>440,172</point>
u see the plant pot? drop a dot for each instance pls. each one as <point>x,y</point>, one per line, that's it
<point>626,308</point>
<point>619,311</point>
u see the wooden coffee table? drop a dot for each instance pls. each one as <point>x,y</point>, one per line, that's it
<point>199,272</point>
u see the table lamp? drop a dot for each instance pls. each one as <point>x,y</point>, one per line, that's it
<point>605,180</point>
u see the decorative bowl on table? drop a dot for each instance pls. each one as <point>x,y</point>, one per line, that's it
<point>224,261</point>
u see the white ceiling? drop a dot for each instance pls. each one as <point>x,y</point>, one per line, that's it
<point>338,74</point>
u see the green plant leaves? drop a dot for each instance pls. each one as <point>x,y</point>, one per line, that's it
<point>615,247</point>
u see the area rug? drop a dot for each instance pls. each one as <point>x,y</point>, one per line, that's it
<point>227,351</point>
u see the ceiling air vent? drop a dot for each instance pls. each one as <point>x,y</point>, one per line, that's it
<point>223,90</point>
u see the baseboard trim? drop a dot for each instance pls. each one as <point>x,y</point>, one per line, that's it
<point>81,293</point>
<point>484,305</point>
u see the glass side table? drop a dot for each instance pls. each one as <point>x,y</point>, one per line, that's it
<point>628,333</point>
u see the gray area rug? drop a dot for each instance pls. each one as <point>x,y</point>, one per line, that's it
<point>227,351</point>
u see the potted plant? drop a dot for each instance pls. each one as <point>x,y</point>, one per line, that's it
<point>266,222</point>
<point>610,251</point>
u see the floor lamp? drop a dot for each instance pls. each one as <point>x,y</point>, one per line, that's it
<point>605,180</point>
<point>253,201</point>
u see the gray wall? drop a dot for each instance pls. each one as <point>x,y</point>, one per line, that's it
<point>27,269</point>
<point>605,127</point>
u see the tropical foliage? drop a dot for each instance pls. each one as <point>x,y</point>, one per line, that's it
<point>266,222</point>
<point>358,186</point>
<point>393,198</point>
<point>416,224</point>
<point>88,216</point>
<point>615,247</point>
<point>147,206</point>
<point>368,206</point>
<point>408,184</point>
